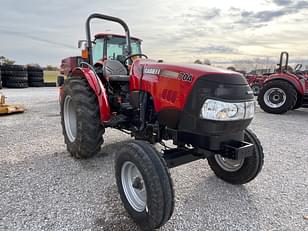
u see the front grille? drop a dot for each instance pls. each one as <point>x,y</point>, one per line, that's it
<point>205,89</point>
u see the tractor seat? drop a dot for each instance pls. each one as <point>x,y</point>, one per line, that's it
<point>115,71</point>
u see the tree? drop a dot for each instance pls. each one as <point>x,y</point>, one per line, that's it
<point>33,65</point>
<point>207,62</point>
<point>5,60</point>
<point>231,68</point>
<point>51,68</point>
<point>198,61</point>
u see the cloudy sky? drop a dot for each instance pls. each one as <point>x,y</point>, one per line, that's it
<point>39,31</point>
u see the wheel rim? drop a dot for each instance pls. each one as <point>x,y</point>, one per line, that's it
<point>70,119</point>
<point>227,164</point>
<point>133,186</point>
<point>275,97</point>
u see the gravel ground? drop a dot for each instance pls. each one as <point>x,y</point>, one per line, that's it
<point>43,188</point>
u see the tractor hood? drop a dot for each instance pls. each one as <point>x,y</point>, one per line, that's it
<point>179,92</point>
<point>190,72</point>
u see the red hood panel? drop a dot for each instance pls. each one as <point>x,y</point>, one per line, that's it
<point>194,69</point>
<point>170,84</point>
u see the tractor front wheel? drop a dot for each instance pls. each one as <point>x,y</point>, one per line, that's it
<point>80,118</point>
<point>277,97</point>
<point>239,171</point>
<point>256,88</point>
<point>144,184</point>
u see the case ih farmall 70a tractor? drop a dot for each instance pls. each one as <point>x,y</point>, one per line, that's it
<point>204,111</point>
<point>284,90</point>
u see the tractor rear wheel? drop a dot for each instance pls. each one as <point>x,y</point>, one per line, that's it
<point>277,97</point>
<point>298,103</point>
<point>239,171</point>
<point>144,184</point>
<point>80,118</point>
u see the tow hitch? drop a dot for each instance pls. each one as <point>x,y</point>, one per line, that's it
<point>237,150</point>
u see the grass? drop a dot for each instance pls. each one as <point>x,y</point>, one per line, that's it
<point>50,76</point>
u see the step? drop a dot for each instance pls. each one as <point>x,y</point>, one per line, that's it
<point>305,101</point>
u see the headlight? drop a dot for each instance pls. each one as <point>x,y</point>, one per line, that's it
<point>222,111</point>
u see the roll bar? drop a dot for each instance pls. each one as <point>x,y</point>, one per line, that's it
<point>107,18</point>
<point>286,54</point>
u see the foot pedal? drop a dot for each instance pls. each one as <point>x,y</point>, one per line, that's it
<point>116,120</point>
<point>126,106</point>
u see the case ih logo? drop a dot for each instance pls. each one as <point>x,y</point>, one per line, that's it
<point>152,71</point>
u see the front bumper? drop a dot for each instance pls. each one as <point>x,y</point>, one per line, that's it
<point>231,146</point>
<point>211,142</point>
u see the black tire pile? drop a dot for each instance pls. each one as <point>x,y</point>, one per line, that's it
<point>0,80</point>
<point>35,76</point>
<point>14,76</point>
<point>18,76</point>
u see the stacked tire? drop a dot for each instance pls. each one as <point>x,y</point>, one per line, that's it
<point>14,76</point>
<point>35,76</point>
<point>0,79</point>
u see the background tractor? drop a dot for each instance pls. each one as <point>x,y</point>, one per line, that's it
<point>202,110</point>
<point>284,90</point>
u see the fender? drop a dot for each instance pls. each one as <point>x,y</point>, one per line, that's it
<point>289,78</point>
<point>98,89</point>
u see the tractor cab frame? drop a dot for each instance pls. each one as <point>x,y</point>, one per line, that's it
<point>113,47</point>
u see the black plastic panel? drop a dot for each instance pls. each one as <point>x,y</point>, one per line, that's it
<point>221,87</point>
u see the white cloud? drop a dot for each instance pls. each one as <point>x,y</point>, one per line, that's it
<point>46,31</point>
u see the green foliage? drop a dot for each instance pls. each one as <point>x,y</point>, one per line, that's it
<point>51,68</point>
<point>5,60</point>
<point>205,61</point>
<point>198,61</point>
<point>231,68</point>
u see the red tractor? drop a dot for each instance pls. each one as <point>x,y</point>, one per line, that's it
<point>284,90</point>
<point>203,110</point>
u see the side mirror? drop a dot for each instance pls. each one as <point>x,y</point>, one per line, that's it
<point>81,43</point>
<point>84,42</point>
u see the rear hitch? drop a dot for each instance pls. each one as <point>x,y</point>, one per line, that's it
<point>237,150</point>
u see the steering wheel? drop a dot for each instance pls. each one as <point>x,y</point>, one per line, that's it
<point>297,70</point>
<point>298,67</point>
<point>130,56</point>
